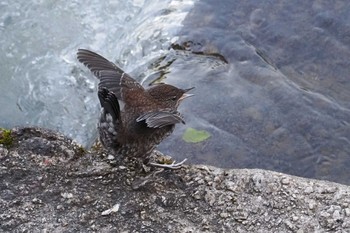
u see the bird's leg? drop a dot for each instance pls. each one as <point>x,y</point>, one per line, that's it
<point>159,160</point>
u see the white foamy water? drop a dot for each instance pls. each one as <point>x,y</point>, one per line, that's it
<point>41,82</point>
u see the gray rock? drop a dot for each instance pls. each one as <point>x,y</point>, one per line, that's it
<point>48,183</point>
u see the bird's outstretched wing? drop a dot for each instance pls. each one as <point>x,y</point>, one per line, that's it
<point>160,119</point>
<point>110,104</point>
<point>111,76</point>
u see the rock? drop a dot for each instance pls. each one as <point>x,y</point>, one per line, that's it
<point>48,183</point>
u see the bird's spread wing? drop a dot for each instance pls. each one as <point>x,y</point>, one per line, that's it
<point>111,76</point>
<point>160,119</point>
<point>110,103</point>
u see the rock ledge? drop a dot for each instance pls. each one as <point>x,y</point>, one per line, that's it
<point>48,183</point>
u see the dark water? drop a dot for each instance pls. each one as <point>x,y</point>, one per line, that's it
<point>281,102</point>
<point>272,77</point>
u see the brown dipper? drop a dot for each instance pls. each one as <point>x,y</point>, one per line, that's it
<point>133,120</point>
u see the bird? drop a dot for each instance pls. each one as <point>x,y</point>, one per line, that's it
<point>133,119</point>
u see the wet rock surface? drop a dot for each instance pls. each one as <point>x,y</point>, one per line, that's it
<point>48,183</point>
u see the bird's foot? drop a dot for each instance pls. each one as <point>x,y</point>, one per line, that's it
<point>160,160</point>
<point>173,165</point>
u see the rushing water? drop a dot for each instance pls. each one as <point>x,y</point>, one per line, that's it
<point>43,84</point>
<point>272,77</point>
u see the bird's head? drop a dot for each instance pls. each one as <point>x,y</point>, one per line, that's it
<point>168,95</point>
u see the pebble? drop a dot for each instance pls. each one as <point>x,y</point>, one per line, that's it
<point>224,215</point>
<point>285,181</point>
<point>309,190</point>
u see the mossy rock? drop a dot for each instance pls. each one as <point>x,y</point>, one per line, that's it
<point>6,138</point>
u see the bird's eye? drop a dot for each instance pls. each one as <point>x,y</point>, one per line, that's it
<point>173,98</point>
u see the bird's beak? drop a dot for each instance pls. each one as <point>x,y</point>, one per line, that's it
<point>185,95</point>
<point>188,89</point>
